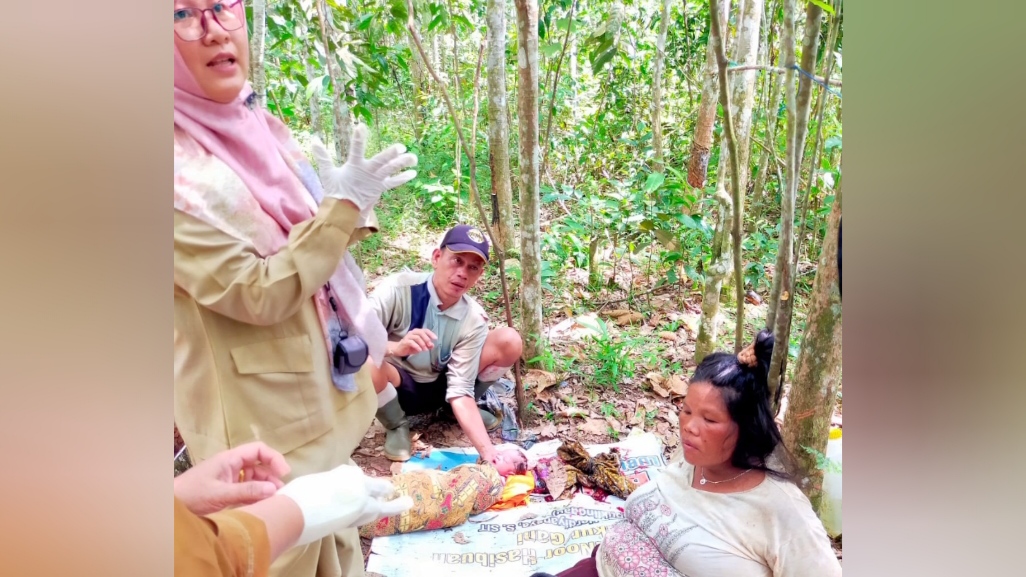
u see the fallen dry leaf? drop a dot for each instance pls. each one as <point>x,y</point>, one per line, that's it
<point>690,323</point>
<point>593,426</point>
<point>649,404</point>
<point>556,481</point>
<point>638,417</point>
<point>615,313</point>
<point>630,319</point>
<point>538,380</point>
<point>677,385</point>
<point>396,468</point>
<point>659,390</point>
<point>572,412</point>
<point>655,377</point>
<point>668,336</point>
<point>568,400</point>
<point>548,431</point>
<point>460,538</point>
<point>663,428</point>
<point>614,424</point>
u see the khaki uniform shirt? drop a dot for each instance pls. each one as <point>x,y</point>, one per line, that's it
<point>407,301</point>
<point>250,359</point>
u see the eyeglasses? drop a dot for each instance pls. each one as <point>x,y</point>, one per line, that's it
<point>191,23</point>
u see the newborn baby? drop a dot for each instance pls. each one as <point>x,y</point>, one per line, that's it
<point>510,460</point>
<point>448,498</point>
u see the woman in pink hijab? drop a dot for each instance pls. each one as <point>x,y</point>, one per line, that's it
<point>272,326</point>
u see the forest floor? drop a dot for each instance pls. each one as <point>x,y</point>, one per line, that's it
<point>647,350</point>
<point>598,385</point>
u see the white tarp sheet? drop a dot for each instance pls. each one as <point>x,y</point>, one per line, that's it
<point>517,542</point>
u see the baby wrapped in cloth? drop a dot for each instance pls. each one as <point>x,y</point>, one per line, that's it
<point>441,499</point>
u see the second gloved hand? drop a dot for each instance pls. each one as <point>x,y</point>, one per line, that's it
<point>340,499</point>
<point>363,180</point>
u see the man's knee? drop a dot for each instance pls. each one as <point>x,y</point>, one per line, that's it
<point>508,345</point>
<point>383,375</point>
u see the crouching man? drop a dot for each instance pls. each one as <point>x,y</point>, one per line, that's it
<point>440,349</point>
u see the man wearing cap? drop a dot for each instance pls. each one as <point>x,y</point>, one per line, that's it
<point>440,349</point>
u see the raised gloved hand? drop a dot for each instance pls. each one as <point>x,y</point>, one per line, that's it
<point>361,180</point>
<point>339,499</point>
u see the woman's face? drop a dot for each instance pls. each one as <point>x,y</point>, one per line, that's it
<point>219,60</point>
<point>707,432</point>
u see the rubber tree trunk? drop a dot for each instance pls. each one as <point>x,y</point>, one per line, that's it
<point>530,160</point>
<point>314,103</point>
<point>436,57</point>
<point>342,119</point>
<point>419,96</point>
<point>766,167</point>
<point>657,86</point>
<point>498,125</point>
<point>781,300</point>
<point>701,142</point>
<point>774,83</point>
<point>817,376</point>
<point>256,52</point>
<point>817,146</point>
<point>742,101</point>
<point>458,95</point>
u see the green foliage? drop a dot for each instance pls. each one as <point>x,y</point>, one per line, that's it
<point>441,202</point>
<point>549,361</point>
<point>822,462</point>
<point>824,5</point>
<point>601,193</point>
<point>611,357</point>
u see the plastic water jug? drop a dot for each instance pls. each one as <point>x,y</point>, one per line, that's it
<point>831,508</point>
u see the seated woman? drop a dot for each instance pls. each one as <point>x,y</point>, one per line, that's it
<point>724,509</point>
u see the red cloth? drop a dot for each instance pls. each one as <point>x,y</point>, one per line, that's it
<point>583,568</point>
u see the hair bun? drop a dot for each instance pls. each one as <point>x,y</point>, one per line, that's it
<point>763,346</point>
<point>747,356</point>
<point>758,352</point>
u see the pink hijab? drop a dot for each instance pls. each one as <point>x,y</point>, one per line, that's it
<point>255,146</point>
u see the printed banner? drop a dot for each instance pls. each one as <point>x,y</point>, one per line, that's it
<point>546,537</point>
<point>540,536</point>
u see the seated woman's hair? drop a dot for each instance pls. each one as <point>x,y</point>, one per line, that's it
<point>742,380</point>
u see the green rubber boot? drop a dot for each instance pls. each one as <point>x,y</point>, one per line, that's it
<point>397,431</point>
<point>491,422</point>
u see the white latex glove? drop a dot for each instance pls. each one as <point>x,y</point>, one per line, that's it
<point>361,180</point>
<point>339,499</point>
